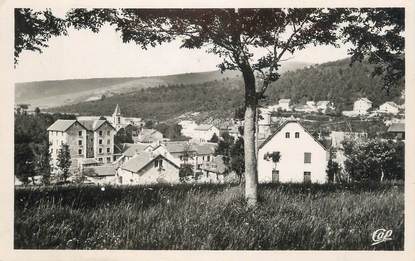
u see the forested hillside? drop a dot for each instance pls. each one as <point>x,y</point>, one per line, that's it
<point>335,81</point>
<point>165,102</point>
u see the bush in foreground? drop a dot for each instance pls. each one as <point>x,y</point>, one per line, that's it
<point>291,216</point>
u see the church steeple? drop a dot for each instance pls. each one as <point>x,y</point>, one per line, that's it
<point>116,116</point>
<point>117,110</point>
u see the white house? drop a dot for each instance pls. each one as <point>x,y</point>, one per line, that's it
<point>389,107</point>
<point>148,168</point>
<point>303,158</point>
<point>362,105</point>
<point>204,132</point>
<point>285,104</point>
<point>324,106</point>
<point>188,127</point>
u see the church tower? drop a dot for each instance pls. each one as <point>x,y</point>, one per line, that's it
<point>116,117</point>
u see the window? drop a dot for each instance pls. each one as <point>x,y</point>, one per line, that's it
<point>158,163</point>
<point>51,151</point>
<point>79,133</point>
<point>307,157</point>
<point>79,142</point>
<point>108,150</point>
<point>80,151</point>
<point>208,158</point>
<point>61,142</point>
<point>108,159</point>
<point>275,175</point>
<point>100,150</point>
<point>100,159</point>
<point>307,177</point>
<point>100,142</point>
<point>297,135</point>
<point>287,135</point>
<point>108,142</point>
<point>100,133</point>
<point>108,132</point>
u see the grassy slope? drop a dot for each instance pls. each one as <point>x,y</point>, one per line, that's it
<point>208,217</point>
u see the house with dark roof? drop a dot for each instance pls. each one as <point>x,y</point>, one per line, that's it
<point>148,168</point>
<point>302,157</point>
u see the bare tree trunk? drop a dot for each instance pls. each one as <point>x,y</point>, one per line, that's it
<point>251,176</point>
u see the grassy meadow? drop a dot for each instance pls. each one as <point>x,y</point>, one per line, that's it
<point>211,217</point>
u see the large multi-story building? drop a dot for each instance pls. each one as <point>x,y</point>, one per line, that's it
<point>87,140</point>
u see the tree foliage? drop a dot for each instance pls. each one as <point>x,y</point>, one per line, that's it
<point>374,160</point>
<point>33,29</point>
<point>186,172</point>
<point>64,162</point>
<point>378,33</point>
<point>232,152</point>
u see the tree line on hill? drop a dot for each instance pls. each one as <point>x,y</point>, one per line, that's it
<point>334,81</point>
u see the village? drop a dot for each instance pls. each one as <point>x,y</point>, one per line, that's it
<point>151,158</point>
<point>208,128</point>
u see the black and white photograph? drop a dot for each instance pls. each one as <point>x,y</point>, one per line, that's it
<point>209,128</point>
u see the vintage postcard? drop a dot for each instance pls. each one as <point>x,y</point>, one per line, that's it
<point>208,131</point>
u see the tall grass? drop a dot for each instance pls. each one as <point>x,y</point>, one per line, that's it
<point>290,216</point>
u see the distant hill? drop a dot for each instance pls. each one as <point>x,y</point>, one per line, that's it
<point>335,81</point>
<point>46,94</point>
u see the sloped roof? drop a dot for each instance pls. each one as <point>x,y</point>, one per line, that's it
<point>397,127</point>
<point>365,100</point>
<point>117,110</point>
<point>141,160</point>
<point>177,147</point>
<point>205,149</point>
<point>204,127</point>
<point>61,125</point>
<point>93,125</point>
<point>282,126</point>
<point>147,131</point>
<point>132,149</point>
<point>391,104</point>
<point>322,103</point>
<point>104,170</point>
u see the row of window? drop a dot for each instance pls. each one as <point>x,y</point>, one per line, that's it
<point>276,176</point>
<point>108,159</point>
<point>56,133</point>
<point>296,135</point>
<point>99,142</point>
<point>99,133</point>
<point>207,158</point>
<point>99,151</point>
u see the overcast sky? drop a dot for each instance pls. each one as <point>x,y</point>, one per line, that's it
<point>83,54</point>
